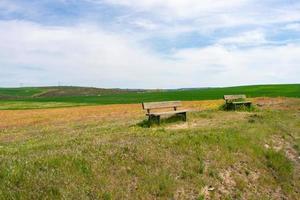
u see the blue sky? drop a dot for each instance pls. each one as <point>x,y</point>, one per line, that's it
<point>149,43</point>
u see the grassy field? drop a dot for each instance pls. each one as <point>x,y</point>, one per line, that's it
<point>64,96</point>
<point>104,152</point>
<point>57,91</point>
<point>19,92</point>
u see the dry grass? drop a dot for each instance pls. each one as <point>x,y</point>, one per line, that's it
<point>100,152</point>
<point>17,118</point>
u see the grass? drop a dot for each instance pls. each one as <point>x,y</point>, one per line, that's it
<point>100,153</point>
<point>57,91</point>
<point>282,166</point>
<point>20,92</point>
<point>24,105</point>
<point>292,90</point>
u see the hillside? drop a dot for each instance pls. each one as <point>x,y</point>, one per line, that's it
<point>73,96</point>
<point>58,91</point>
<point>14,93</point>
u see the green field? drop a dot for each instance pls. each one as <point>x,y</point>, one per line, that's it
<point>24,98</point>
<point>19,92</point>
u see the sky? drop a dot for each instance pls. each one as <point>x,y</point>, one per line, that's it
<point>149,43</point>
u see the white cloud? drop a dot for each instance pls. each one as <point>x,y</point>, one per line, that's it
<point>173,18</point>
<point>217,65</point>
<point>73,55</point>
<point>249,38</point>
<point>180,8</point>
<point>145,24</point>
<point>292,27</point>
<point>87,55</point>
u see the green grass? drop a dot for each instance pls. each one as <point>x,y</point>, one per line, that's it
<point>24,105</point>
<point>164,95</point>
<point>20,92</point>
<point>282,166</point>
<point>119,159</point>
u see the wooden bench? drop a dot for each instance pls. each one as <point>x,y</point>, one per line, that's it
<point>150,106</point>
<point>233,100</point>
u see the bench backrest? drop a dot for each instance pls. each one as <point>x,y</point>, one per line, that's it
<point>160,105</point>
<point>230,98</point>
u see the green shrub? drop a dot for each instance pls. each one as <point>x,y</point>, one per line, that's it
<point>228,107</point>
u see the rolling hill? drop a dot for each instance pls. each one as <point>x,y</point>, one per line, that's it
<point>57,91</point>
<point>22,98</point>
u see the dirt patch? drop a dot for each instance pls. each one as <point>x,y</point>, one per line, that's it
<point>280,103</point>
<point>185,193</point>
<point>216,119</point>
<point>228,183</point>
<point>279,144</point>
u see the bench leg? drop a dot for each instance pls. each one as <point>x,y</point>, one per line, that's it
<point>183,115</point>
<point>152,118</point>
<point>158,120</point>
<point>229,106</point>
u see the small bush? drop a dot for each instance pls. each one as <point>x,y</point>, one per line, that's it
<point>201,167</point>
<point>165,184</point>
<point>213,173</point>
<point>106,196</point>
<point>229,107</point>
<point>255,118</point>
<point>144,124</point>
<point>297,145</point>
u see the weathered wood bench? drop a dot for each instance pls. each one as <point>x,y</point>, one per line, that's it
<point>234,100</point>
<point>155,115</point>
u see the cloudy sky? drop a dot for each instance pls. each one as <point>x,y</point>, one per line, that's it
<point>149,43</point>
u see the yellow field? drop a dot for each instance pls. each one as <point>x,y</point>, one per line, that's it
<point>17,118</point>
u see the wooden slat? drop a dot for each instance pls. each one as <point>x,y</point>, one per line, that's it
<point>242,102</point>
<point>233,97</point>
<point>167,112</point>
<point>164,104</point>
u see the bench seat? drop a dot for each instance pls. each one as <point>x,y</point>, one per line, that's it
<point>167,113</point>
<point>242,102</point>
